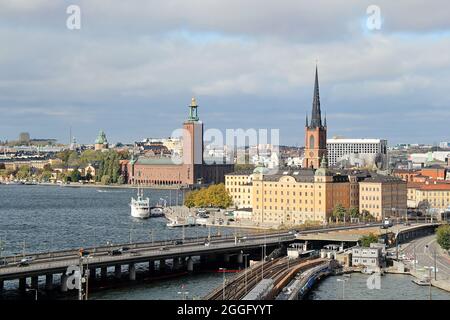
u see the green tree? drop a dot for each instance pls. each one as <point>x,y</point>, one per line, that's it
<point>75,175</point>
<point>443,236</point>
<point>353,212</point>
<point>105,180</point>
<point>46,175</point>
<point>23,173</point>
<point>121,180</point>
<point>366,240</point>
<point>339,212</point>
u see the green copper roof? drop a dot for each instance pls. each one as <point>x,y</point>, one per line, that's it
<point>101,139</point>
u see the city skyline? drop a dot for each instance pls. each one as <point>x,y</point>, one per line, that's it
<point>132,73</point>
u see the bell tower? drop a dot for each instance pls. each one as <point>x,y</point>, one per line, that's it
<point>315,132</point>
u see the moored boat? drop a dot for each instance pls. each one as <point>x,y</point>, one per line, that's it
<point>140,207</point>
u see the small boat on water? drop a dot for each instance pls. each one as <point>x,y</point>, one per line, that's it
<point>156,212</point>
<point>140,207</point>
<point>421,282</point>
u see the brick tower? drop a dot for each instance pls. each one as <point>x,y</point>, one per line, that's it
<point>315,133</point>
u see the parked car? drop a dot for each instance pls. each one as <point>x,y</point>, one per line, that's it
<point>178,242</point>
<point>163,248</point>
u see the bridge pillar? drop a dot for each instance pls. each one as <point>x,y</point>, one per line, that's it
<point>22,284</point>
<point>104,272</point>
<point>162,264</point>
<point>132,271</point>
<point>177,263</point>
<point>151,266</point>
<point>2,282</point>
<point>118,271</point>
<point>49,281</point>
<point>226,258</point>
<point>34,282</point>
<point>240,258</point>
<point>64,282</point>
<point>190,264</point>
<point>92,273</point>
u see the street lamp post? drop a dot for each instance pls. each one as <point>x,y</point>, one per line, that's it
<point>224,282</point>
<point>429,278</point>
<point>343,287</point>
<point>245,272</point>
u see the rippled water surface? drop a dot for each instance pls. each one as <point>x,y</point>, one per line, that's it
<point>43,218</point>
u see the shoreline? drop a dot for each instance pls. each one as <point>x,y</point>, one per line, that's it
<point>114,186</point>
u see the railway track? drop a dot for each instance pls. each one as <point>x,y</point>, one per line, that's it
<point>243,283</point>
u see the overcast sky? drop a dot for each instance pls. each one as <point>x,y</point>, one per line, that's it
<point>133,67</point>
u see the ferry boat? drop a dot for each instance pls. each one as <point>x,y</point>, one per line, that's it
<point>140,207</point>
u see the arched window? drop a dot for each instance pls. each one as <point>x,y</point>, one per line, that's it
<point>311,142</point>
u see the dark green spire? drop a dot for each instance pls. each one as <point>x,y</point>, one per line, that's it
<point>316,117</point>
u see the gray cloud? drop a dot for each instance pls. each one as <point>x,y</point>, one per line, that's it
<point>134,65</point>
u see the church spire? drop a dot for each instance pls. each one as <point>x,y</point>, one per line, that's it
<point>316,117</point>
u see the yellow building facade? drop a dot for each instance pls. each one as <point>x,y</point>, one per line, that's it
<point>383,196</point>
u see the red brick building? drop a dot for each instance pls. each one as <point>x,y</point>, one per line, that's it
<point>188,171</point>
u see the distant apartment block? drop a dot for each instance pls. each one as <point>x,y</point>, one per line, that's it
<point>357,152</point>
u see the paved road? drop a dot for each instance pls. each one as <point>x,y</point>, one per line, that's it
<point>423,249</point>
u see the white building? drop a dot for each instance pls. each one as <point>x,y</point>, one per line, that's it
<point>369,257</point>
<point>367,152</point>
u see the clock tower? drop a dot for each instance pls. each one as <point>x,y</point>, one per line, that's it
<point>315,133</point>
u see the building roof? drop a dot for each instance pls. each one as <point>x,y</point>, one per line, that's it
<point>437,187</point>
<point>156,161</point>
<point>243,172</point>
<point>379,178</point>
<point>344,140</point>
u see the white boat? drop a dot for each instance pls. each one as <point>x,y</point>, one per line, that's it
<point>140,207</point>
<point>421,282</point>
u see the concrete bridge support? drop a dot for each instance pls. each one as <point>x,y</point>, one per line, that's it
<point>49,281</point>
<point>34,282</point>
<point>177,263</point>
<point>226,258</point>
<point>240,258</point>
<point>151,266</point>
<point>190,264</point>
<point>162,265</point>
<point>104,272</point>
<point>64,282</point>
<point>132,271</point>
<point>22,284</point>
<point>118,271</point>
